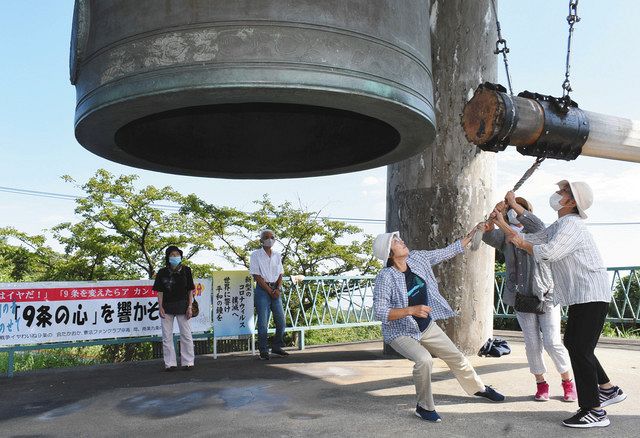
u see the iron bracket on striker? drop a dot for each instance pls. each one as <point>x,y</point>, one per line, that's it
<point>566,129</point>
<point>500,142</point>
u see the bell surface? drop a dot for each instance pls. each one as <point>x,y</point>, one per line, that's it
<point>253,88</point>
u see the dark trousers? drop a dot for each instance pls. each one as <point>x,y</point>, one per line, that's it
<point>581,335</point>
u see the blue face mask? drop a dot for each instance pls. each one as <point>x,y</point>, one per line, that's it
<point>175,261</point>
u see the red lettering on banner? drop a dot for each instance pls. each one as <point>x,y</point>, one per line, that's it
<point>60,294</point>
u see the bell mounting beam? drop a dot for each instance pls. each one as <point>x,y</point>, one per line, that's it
<point>542,126</point>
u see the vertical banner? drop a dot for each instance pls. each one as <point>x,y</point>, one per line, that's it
<point>232,304</point>
<point>35,313</point>
<point>202,294</point>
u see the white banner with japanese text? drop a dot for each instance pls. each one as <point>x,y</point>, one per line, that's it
<point>35,313</point>
<point>232,304</point>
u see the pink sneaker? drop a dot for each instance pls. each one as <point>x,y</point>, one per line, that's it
<point>569,388</point>
<point>542,394</point>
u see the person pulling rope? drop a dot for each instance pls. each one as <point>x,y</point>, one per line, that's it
<point>477,236</point>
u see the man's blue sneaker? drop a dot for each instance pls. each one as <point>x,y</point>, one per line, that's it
<point>427,415</point>
<point>491,394</point>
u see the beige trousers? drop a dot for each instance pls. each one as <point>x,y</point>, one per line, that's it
<point>435,341</point>
<point>186,341</point>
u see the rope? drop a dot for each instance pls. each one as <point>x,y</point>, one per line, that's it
<point>477,233</point>
<point>528,173</point>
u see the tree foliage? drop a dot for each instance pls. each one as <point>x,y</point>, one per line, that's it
<point>310,245</point>
<point>121,232</point>
<point>127,227</point>
<point>24,257</point>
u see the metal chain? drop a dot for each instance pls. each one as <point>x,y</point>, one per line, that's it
<point>572,19</point>
<point>528,173</point>
<point>501,47</point>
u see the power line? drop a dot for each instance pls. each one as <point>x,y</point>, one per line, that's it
<point>37,193</point>
<point>365,221</point>
<point>51,195</point>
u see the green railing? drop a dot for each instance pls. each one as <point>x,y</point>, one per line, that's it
<point>312,304</point>
<point>625,302</point>
<point>328,302</point>
<point>347,301</point>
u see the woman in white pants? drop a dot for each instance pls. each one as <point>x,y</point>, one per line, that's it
<point>541,332</point>
<point>174,285</point>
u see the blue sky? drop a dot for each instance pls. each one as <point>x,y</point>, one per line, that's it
<point>38,146</point>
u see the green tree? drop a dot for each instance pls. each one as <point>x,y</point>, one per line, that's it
<point>91,254</point>
<point>310,245</point>
<point>127,226</point>
<point>24,257</point>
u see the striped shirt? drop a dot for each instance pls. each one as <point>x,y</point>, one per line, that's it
<point>579,275</point>
<point>390,292</point>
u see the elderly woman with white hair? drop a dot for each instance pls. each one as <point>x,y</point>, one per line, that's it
<point>407,301</point>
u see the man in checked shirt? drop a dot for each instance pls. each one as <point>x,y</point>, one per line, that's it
<point>407,301</point>
<point>581,282</point>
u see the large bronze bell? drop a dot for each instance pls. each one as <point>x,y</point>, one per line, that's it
<point>253,88</point>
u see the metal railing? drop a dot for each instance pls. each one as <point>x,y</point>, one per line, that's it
<point>328,302</point>
<point>625,302</point>
<point>314,303</point>
<point>318,303</point>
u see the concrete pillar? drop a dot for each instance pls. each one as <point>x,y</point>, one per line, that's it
<point>438,195</point>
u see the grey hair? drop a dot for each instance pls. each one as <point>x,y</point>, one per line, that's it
<point>263,232</point>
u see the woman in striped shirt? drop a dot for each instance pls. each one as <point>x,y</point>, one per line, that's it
<point>580,282</point>
<point>407,301</point>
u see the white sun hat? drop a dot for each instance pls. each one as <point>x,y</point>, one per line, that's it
<point>382,245</point>
<point>582,194</point>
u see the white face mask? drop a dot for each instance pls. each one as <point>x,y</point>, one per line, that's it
<point>554,201</point>
<point>512,215</point>
<point>268,243</point>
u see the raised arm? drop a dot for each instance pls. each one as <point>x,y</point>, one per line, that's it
<point>510,200</point>
<point>435,256</point>
<point>566,240</point>
<point>494,237</point>
<point>498,219</point>
<point>530,222</point>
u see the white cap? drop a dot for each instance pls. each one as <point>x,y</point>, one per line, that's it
<point>382,245</point>
<point>582,194</point>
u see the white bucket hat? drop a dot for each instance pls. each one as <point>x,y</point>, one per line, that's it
<point>382,245</point>
<point>582,194</point>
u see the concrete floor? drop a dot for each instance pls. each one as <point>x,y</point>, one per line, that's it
<point>343,390</point>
